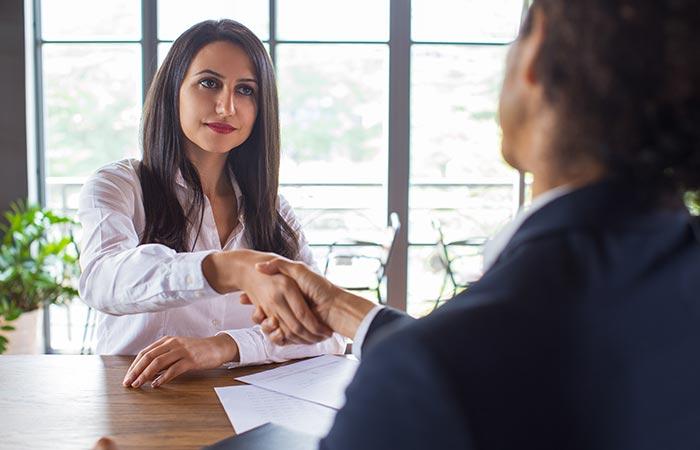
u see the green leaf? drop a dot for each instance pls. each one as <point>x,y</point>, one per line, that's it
<point>12,314</point>
<point>38,259</point>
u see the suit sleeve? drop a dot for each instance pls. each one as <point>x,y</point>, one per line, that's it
<point>384,321</point>
<point>398,399</point>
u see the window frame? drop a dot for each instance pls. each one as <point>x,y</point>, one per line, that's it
<point>398,184</point>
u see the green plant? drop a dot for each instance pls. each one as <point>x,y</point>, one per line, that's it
<point>692,200</point>
<point>38,262</point>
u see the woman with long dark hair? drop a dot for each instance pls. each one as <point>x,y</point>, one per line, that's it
<point>168,241</point>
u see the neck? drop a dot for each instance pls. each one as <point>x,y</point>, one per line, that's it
<point>213,173</point>
<point>543,158</point>
<point>546,177</point>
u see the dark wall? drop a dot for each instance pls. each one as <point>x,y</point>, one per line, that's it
<point>13,140</point>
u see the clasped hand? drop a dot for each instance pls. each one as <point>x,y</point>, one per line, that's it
<point>320,296</point>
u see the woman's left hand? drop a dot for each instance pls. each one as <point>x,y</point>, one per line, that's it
<point>169,357</point>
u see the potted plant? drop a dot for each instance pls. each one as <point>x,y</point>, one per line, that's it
<point>692,200</point>
<point>38,267</point>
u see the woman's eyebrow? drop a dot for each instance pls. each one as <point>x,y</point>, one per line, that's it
<point>218,75</point>
<point>209,71</point>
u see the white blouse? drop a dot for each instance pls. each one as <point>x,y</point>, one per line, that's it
<point>145,292</point>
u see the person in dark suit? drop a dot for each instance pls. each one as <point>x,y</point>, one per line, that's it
<point>584,332</point>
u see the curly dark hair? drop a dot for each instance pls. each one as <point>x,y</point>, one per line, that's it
<point>624,79</point>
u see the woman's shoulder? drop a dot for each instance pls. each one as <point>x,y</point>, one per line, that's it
<point>125,170</point>
<point>123,167</point>
<point>121,176</point>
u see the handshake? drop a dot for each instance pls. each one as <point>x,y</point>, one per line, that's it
<point>295,305</point>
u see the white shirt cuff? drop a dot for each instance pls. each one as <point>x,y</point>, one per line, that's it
<point>249,352</point>
<point>186,273</point>
<point>362,331</point>
<point>255,348</point>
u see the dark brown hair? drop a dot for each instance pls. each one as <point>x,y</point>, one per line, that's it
<point>624,79</point>
<point>255,163</point>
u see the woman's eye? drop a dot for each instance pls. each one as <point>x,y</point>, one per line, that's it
<point>209,83</point>
<point>245,90</point>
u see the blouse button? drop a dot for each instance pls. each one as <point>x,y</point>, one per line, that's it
<point>215,322</point>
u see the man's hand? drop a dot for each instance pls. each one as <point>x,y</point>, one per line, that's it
<point>339,309</point>
<point>169,357</point>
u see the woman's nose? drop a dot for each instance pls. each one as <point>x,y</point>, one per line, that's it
<point>226,105</point>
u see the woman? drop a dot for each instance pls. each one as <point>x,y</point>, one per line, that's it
<point>165,240</point>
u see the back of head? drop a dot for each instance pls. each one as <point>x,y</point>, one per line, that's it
<point>623,77</point>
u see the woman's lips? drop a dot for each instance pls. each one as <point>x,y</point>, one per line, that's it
<point>221,128</point>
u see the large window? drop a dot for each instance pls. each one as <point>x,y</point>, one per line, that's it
<point>458,181</point>
<point>345,72</point>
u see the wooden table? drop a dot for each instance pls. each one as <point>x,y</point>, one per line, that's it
<point>68,402</point>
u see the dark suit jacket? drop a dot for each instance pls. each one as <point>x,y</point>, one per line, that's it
<point>585,334</point>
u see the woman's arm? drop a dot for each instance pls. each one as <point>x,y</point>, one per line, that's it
<point>169,357</point>
<point>119,276</point>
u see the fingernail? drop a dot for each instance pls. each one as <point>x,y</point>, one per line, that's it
<point>136,383</point>
<point>156,382</point>
<point>127,381</point>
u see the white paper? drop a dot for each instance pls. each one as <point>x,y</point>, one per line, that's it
<point>248,407</point>
<point>321,380</point>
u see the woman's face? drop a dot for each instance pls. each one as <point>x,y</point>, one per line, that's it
<point>218,99</point>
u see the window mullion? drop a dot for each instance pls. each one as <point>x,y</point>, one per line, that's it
<point>399,145</point>
<point>272,32</point>
<point>149,43</point>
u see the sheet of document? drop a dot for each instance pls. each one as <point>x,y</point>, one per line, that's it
<point>321,380</point>
<point>249,406</point>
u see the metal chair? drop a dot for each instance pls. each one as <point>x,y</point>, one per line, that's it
<point>362,271</point>
<point>89,332</point>
<point>461,269</point>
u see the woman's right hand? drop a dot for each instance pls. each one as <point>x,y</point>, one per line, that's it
<point>277,295</point>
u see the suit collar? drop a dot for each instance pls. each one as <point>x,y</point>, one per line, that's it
<point>495,246</point>
<point>597,205</point>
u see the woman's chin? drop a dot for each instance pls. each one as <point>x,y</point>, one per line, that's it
<point>215,149</point>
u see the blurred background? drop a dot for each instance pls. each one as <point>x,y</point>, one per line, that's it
<point>386,105</point>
